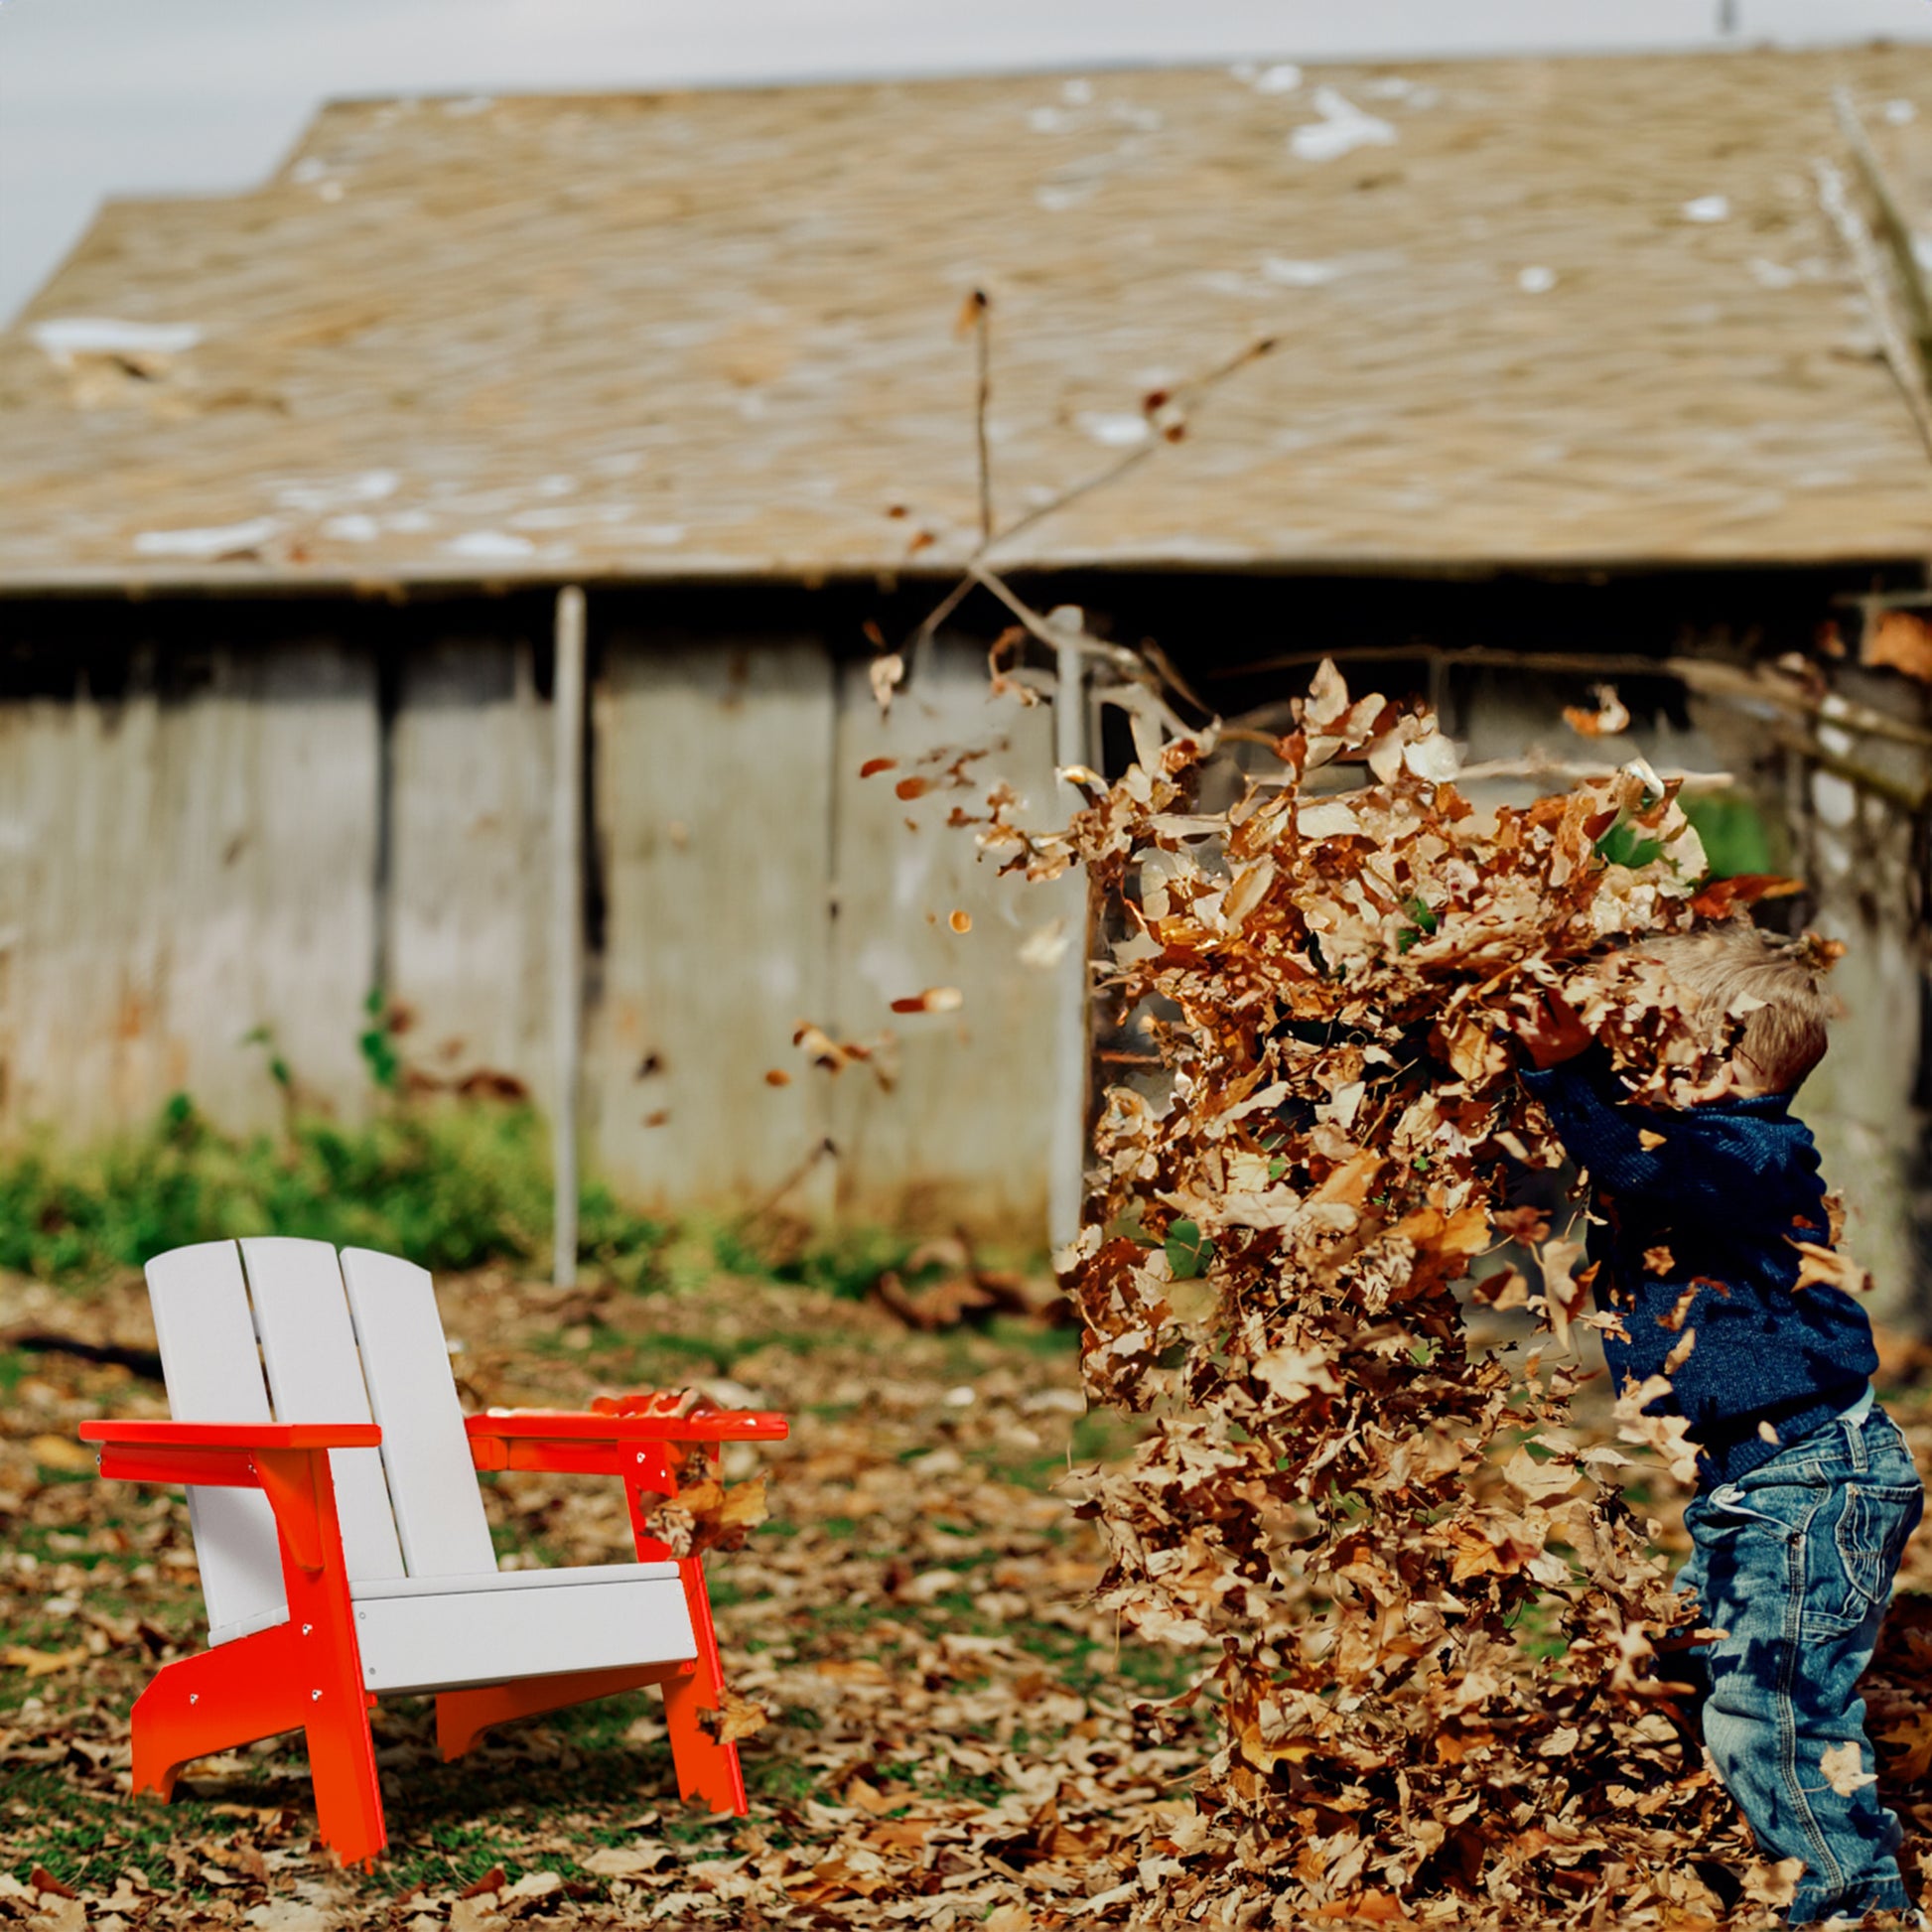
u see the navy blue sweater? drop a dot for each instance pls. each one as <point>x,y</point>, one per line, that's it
<point>1732,1186</point>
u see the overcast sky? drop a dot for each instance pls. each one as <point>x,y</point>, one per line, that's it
<point>104,97</point>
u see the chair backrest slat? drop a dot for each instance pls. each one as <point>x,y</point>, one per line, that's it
<point>316,1375</point>
<point>208,1353</point>
<point>407,1365</point>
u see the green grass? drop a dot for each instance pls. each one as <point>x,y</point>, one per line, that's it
<point>450,1187</point>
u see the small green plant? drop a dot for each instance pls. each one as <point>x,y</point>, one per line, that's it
<point>377,1042</point>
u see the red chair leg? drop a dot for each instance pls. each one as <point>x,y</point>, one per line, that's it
<point>462,1717</point>
<point>707,1767</point>
<point>257,1687</point>
<point>211,1702</point>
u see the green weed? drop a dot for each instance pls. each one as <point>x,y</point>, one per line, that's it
<point>450,1187</point>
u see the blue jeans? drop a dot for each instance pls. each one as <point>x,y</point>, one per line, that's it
<point>1795,1562</point>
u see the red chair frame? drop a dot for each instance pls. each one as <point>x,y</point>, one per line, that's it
<point>307,1674</point>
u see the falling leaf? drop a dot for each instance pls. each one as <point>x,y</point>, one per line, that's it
<point>1045,946</point>
<point>960,921</point>
<point>886,672</point>
<point>1610,717</point>
<point>873,767</point>
<point>1538,1481</point>
<point>935,998</point>
<point>777,1077</point>
<point>913,787</point>
<point>1659,1261</point>
<point>1830,1267</point>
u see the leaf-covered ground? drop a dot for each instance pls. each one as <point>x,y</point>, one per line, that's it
<point>954,1736</point>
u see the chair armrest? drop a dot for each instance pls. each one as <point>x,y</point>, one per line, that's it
<point>575,1425</point>
<point>287,1462</point>
<point>233,1435</point>
<point>563,1442</point>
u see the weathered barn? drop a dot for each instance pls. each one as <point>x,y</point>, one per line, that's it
<point>1568,361</point>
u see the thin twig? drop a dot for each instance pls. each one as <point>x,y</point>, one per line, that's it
<point>1136,669</point>
<point>1709,677</point>
<point>1176,400</point>
<point>1864,250</point>
<point>1536,766</point>
<point>1171,406</point>
<point>980,310</point>
<point>1909,278</point>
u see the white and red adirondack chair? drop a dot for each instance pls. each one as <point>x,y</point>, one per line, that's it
<point>343,1552</point>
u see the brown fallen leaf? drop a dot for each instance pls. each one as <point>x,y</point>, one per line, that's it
<point>41,1663</point>
<point>1899,640</point>
<point>63,1452</point>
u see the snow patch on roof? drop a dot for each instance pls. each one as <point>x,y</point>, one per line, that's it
<point>66,336</point>
<point>214,540</point>
<point>1343,128</point>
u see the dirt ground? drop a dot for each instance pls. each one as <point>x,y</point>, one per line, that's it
<point>956,1737</point>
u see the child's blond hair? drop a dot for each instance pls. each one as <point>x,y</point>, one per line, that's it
<point>1738,972</point>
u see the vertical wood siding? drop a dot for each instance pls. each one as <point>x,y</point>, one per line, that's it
<point>469,860</point>
<point>712,788</point>
<point>178,871</point>
<point>963,1136</point>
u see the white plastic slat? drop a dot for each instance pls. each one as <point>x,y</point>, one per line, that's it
<point>491,1583</point>
<point>315,1375</point>
<point>490,1636</point>
<point>406,1364</point>
<point>208,1354</point>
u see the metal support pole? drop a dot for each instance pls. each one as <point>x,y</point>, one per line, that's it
<point>567,922</point>
<point>1067,1145</point>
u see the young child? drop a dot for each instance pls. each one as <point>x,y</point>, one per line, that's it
<point>1807,1491</point>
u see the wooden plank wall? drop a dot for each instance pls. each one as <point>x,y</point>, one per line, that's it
<point>179,870</point>
<point>962,1138</point>
<point>467,926</point>
<point>713,785</point>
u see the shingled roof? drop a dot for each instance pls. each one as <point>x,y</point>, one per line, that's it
<point>1531,312</point>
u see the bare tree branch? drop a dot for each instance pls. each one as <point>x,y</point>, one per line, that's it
<point>1168,422</point>
<point>978,317</point>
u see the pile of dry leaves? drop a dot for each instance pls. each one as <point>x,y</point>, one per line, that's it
<point>1424,1611</point>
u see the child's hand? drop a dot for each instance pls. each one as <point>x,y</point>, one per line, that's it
<point>1550,1029</point>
